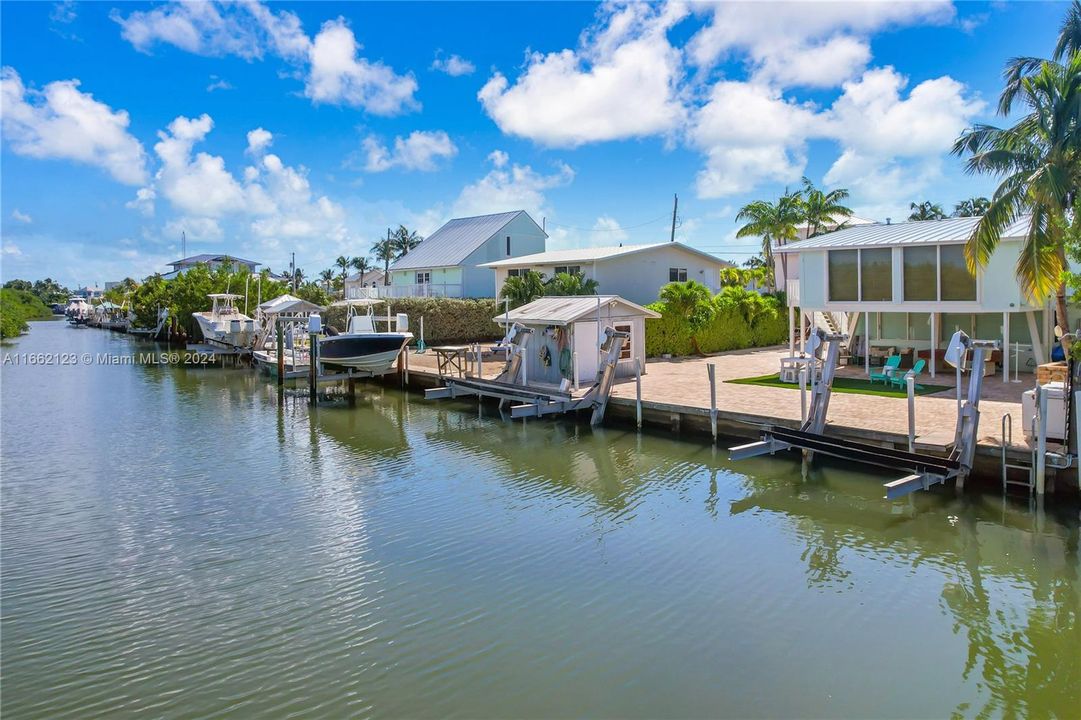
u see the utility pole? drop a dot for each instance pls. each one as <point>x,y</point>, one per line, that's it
<point>183,244</point>
<point>675,208</point>
<point>386,261</point>
<point>293,270</point>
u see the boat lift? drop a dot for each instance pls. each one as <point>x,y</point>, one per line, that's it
<point>534,400</point>
<point>923,470</point>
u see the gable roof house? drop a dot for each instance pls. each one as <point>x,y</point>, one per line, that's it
<point>212,261</point>
<point>373,280</point>
<point>634,272</point>
<point>905,287</point>
<point>449,262</point>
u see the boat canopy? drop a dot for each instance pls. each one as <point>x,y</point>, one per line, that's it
<point>224,296</point>
<point>293,307</point>
<point>358,302</point>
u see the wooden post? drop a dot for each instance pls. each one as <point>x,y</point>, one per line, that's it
<point>575,358</point>
<point>712,370</point>
<point>910,382</point>
<point>1005,347</point>
<point>803,394</point>
<point>281,353</point>
<point>313,369</point>
<point>351,389</point>
<point>1041,441</point>
<point>480,363</point>
<point>638,391</point>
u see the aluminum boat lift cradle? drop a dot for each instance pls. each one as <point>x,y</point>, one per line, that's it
<point>923,469</point>
<point>534,401</point>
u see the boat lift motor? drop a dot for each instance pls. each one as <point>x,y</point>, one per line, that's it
<point>924,469</point>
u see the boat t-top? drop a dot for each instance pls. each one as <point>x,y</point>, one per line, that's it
<point>78,310</point>
<point>361,346</point>
<point>224,324</point>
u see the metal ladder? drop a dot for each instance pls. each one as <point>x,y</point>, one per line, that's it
<point>1007,440</point>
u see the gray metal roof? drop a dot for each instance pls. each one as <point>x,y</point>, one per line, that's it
<point>565,309</point>
<point>451,244</point>
<point>595,253</point>
<point>919,232</point>
<point>208,257</point>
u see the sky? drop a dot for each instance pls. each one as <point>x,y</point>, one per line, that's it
<point>265,129</point>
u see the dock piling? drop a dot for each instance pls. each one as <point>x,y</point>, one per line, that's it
<point>638,391</point>
<point>803,394</point>
<point>910,383</point>
<point>1041,441</point>
<point>281,353</point>
<point>711,368</point>
<point>313,368</point>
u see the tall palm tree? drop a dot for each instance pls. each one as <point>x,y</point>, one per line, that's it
<point>1038,160</point>
<point>343,263</point>
<point>405,240</point>
<point>823,210</point>
<point>926,210</point>
<point>327,276</point>
<point>384,250</point>
<point>524,288</point>
<point>362,265</point>
<point>972,207</point>
<point>775,223</point>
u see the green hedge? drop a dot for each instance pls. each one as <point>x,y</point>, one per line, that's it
<point>446,320</point>
<point>18,306</point>
<point>727,329</point>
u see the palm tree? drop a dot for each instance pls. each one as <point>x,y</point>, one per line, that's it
<point>570,284</point>
<point>690,300</point>
<point>327,276</point>
<point>524,288</point>
<point>405,240</point>
<point>822,210</point>
<point>343,264</point>
<point>362,265</point>
<point>1039,162</point>
<point>774,223</point>
<point>926,210</point>
<point>972,207</point>
<point>384,250</point>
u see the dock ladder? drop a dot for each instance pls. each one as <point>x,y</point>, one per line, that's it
<point>1007,441</point>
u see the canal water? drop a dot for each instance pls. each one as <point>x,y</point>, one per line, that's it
<point>176,543</point>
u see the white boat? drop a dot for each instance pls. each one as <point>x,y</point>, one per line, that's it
<point>223,324</point>
<point>78,310</point>
<point>362,347</point>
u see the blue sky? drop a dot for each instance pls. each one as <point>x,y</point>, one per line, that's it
<point>264,129</point>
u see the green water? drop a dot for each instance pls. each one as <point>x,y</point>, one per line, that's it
<point>177,544</point>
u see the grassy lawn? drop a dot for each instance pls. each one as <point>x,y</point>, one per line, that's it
<point>846,385</point>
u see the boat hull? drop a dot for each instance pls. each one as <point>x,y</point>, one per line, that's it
<point>370,352</point>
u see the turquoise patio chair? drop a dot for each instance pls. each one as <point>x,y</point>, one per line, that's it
<point>898,379</point>
<point>888,369</point>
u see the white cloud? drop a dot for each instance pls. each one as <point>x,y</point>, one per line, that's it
<point>11,249</point>
<point>421,150</point>
<point>498,158</point>
<point>454,65</point>
<point>60,122</point>
<point>622,82</point>
<point>814,44</point>
<point>20,216</point>
<point>338,76</point>
<point>63,12</point>
<point>749,134</point>
<point>518,187</point>
<point>258,141</point>
<point>217,83</point>
<point>607,231</point>
<point>143,202</point>
<point>199,186</point>
<point>197,229</point>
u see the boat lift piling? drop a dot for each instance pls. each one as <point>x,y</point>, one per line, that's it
<point>924,470</point>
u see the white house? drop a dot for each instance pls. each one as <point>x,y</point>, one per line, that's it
<point>450,261</point>
<point>906,286</point>
<point>783,271</point>
<point>635,272</point>
<point>570,330</point>
<point>373,280</point>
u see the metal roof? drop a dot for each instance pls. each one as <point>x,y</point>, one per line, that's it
<point>918,232</point>
<point>565,309</point>
<point>593,254</point>
<point>208,257</point>
<point>451,244</point>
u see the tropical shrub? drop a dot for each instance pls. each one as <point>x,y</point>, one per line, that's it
<point>17,307</point>
<point>693,323</point>
<point>522,289</point>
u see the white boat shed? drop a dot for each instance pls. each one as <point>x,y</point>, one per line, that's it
<point>566,326</point>
<point>906,286</point>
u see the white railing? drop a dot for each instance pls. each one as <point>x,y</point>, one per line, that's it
<point>450,290</point>
<point>792,290</point>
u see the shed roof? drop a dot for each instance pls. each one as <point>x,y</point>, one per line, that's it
<point>565,309</point>
<point>593,254</point>
<point>917,232</point>
<point>451,244</point>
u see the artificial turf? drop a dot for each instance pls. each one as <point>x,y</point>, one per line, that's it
<point>846,385</point>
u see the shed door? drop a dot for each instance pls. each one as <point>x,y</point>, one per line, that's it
<point>586,344</point>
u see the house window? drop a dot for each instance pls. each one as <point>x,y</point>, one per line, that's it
<point>568,269</point>
<point>514,272</point>
<point>677,274</point>
<point>508,245</point>
<point>844,279</point>
<point>625,351</point>
<point>957,283</point>
<point>424,278</point>
<point>921,273</point>
<point>876,275</point>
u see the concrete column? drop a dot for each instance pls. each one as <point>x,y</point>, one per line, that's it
<point>934,341</point>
